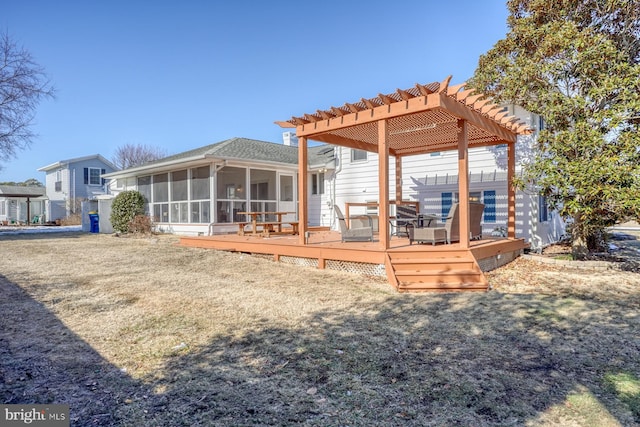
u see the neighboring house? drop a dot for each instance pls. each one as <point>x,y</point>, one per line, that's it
<point>432,179</point>
<point>69,182</point>
<point>188,191</point>
<point>21,204</point>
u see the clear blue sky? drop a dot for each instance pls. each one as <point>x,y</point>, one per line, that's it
<point>182,74</point>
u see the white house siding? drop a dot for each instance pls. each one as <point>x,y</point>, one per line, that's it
<point>429,177</point>
<point>357,181</point>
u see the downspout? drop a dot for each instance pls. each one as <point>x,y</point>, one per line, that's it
<point>337,170</point>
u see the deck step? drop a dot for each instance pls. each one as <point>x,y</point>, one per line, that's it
<point>440,273</point>
<point>445,286</point>
<point>430,260</point>
<point>437,272</point>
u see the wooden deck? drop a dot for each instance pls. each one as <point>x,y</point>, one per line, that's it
<point>408,268</point>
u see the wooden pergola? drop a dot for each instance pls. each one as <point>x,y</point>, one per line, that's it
<point>423,119</point>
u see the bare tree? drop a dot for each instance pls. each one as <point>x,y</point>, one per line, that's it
<point>23,84</point>
<point>130,155</point>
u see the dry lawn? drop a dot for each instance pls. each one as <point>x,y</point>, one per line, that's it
<point>139,331</point>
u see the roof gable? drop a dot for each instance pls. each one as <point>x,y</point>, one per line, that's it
<point>65,163</point>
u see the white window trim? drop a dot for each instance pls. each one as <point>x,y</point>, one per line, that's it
<point>99,177</point>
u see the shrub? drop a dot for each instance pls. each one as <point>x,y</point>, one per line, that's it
<point>125,207</point>
<point>141,224</point>
<point>73,219</point>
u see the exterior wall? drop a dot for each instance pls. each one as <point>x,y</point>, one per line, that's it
<point>72,186</point>
<point>187,228</point>
<point>55,209</point>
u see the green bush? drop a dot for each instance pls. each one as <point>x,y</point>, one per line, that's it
<point>125,207</point>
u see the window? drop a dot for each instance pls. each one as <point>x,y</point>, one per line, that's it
<point>474,196</point>
<point>179,194</point>
<point>160,193</point>
<point>58,182</point>
<point>317,183</point>
<point>286,188</point>
<point>3,208</point>
<point>490,206</point>
<point>543,209</point>
<point>179,185</point>
<point>144,187</point>
<point>231,194</point>
<point>435,154</point>
<point>358,155</point>
<point>200,195</point>
<point>446,202</point>
<point>92,176</point>
<point>200,189</point>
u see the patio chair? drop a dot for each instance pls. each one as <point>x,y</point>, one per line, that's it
<point>359,234</point>
<point>404,215</point>
<point>450,232</point>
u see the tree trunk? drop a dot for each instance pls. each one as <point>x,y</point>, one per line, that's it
<point>579,246</point>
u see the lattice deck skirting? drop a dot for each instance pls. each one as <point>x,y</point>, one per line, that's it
<point>362,268</point>
<point>303,262</point>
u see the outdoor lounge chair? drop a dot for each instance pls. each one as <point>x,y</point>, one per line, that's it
<point>450,232</point>
<point>360,234</point>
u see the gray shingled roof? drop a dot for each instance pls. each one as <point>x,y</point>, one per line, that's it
<point>252,149</point>
<point>20,191</point>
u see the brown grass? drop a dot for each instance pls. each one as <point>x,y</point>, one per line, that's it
<point>139,331</point>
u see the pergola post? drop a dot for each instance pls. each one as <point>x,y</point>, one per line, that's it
<point>463,182</point>
<point>302,190</point>
<point>383,174</point>
<point>511,192</point>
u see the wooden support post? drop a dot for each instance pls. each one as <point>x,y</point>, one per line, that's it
<point>303,207</point>
<point>511,191</point>
<point>383,181</point>
<point>463,182</point>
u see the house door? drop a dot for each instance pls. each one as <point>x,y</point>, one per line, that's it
<point>286,198</point>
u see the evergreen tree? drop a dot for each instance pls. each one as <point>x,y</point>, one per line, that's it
<point>576,64</point>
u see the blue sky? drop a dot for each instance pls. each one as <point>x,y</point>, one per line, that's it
<point>180,75</point>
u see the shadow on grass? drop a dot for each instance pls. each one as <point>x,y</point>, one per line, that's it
<point>439,359</point>
<point>489,360</point>
<point>43,361</point>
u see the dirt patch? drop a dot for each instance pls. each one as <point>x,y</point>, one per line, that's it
<point>134,331</point>
<point>623,253</point>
